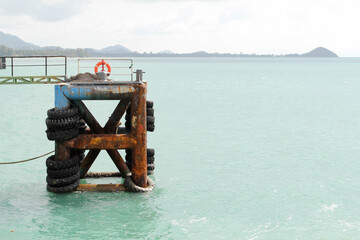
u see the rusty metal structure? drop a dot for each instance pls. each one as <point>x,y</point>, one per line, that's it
<point>66,167</point>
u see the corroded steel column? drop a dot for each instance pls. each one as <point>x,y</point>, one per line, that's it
<point>138,131</point>
<point>62,152</point>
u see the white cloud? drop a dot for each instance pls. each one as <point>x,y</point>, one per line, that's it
<point>44,10</point>
<point>278,26</point>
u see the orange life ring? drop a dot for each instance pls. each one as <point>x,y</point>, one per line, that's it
<point>102,63</point>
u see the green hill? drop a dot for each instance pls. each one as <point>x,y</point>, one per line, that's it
<point>320,52</point>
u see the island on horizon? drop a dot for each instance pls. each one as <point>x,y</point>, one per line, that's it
<point>11,45</point>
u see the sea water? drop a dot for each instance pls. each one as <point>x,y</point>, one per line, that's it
<point>246,148</point>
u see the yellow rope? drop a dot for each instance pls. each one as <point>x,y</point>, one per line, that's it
<point>27,160</point>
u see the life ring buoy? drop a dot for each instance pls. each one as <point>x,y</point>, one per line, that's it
<point>102,63</point>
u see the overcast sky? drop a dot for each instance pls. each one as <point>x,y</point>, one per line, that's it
<point>248,26</point>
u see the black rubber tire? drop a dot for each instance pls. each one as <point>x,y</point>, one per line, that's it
<point>150,152</point>
<point>149,104</point>
<point>150,127</point>
<point>127,117</point>
<point>151,167</point>
<point>62,113</point>
<point>65,189</point>
<point>58,165</point>
<point>150,120</point>
<point>150,172</point>
<point>62,123</point>
<point>150,112</point>
<point>63,173</point>
<point>62,135</point>
<point>61,182</point>
<point>150,160</point>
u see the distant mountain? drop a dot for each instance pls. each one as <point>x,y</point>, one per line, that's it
<point>13,45</point>
<point>320,52</point>
<point>112,51</point>
<point>15,42</point>
<point>116,49</point>
<point>166,52</point>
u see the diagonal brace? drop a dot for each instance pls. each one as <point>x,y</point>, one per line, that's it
<point>97,129</point>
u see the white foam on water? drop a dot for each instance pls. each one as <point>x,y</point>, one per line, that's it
<point>331,207</point>
<point>194,220</point>
<point>350,225</point>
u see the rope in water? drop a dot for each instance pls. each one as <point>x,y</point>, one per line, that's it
<point>27,160</point>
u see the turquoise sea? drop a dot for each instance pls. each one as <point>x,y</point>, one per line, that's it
<point>246,148</point>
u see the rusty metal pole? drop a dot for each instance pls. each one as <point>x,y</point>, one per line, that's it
<point>138,131</point>
<point>62,152</point>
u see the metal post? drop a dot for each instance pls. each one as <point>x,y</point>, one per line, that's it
<point>3,63</point>
<point>131,69</point>
<point>65,67</point>
<point>46,66</point>
<point>62,153</point>
<point>102,65</point>
<point>12,66</point>
<point>139,77</point>
<point>138,131</point>
<point>60,100</point>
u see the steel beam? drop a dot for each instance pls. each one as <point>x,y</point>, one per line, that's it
<point>98,92</point>
<point>88,117</point>
<point>85,165</point>
<point>62,152</point>
<point>113,122</point>
<point>138,131</point>
<point>102,141</point>
<point>97,143</point>
<point>101,188</point>
<point>60,100</point>
<point>119,162</point>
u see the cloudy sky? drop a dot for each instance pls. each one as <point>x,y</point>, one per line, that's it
<point>248,26</point>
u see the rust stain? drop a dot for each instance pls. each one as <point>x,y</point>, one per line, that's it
<point>102,141</point>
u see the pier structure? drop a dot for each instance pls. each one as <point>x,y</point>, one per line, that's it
<point>74,129</point>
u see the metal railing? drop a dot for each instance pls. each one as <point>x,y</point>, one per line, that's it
<point>45,64</point>
<point>20,74</point>
<point>122,69</point>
